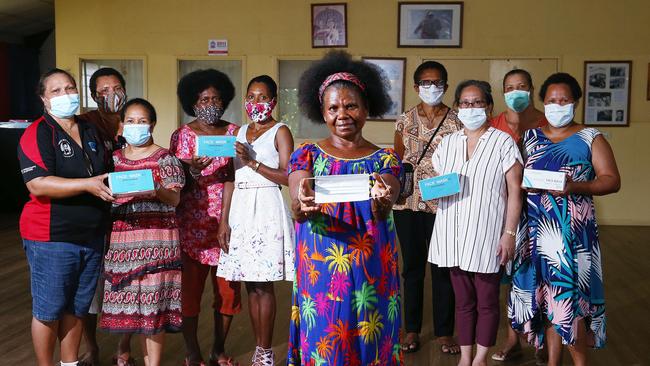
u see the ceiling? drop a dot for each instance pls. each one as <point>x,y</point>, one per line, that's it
<point>21,18</point>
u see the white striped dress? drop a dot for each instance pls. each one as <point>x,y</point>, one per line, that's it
<point>469,224</point>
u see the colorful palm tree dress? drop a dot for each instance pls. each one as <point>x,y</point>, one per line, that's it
<point>346,299</point>
<point>557,275</point>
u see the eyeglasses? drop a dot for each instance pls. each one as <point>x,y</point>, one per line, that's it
<point>426,84</point>
<point>468,104</point>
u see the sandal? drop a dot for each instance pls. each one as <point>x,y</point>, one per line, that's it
<point>508,355</point>
<point>228,361</point>
<point>448,345</point>
<point>187,362</point>
<point>411,347</point>
<point>123,361</point>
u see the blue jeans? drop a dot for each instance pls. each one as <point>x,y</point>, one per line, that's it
<point>63,276</point>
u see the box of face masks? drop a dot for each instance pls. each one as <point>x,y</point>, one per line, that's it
<point>131,182</point>
<point>215,146</point>
<point>341,188</point>
<point>544,179</point>
<point>440,186</point>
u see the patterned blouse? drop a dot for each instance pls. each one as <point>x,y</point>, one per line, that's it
<point>415,137</point>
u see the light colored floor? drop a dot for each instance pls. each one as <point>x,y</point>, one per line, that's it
<point>626,256</point>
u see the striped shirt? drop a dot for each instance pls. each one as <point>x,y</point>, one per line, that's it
<point>469,224</point>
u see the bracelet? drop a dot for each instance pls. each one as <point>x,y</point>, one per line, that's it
<point>511,233</point>
<point>257,166</point>
<point>195,174</point>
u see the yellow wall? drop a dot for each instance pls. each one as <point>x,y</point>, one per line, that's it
<point>261,32</point>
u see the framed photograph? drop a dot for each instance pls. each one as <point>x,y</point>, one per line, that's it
<point>430,24</point>
<point>394,69</point>
<point>329,25</point>
<point>607,93</point>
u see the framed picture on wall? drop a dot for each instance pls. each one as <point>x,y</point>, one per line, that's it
<point>607,93</point>
<point>329,25</point>
<point>430,24</point>
<point>394,69</point>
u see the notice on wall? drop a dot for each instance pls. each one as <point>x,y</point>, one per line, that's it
<point>217,47</point>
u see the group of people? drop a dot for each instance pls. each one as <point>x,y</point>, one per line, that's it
<point>140,262</point>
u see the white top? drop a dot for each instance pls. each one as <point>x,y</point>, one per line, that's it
<point>263,150</point>
<point>470,223</point>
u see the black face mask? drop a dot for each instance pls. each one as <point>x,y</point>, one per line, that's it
<point>210,114</point>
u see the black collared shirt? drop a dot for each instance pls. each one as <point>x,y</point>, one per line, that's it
<point>45,149</point>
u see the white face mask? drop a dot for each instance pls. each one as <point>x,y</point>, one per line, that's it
<point>341,188</point>
<point>559,115</point>
<point>431,95</point>
<point>472,118</point>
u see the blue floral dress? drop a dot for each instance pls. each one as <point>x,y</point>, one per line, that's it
<point>346,299</point>
<point>557,273</point>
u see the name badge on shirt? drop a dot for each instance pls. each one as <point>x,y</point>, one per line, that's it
<point>544,179</point>
<point>131,182</point>
<point>440,186</point>
<point>215,146</point>
<point>341,188</point>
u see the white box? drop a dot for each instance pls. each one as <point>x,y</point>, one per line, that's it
<point>544,179</point>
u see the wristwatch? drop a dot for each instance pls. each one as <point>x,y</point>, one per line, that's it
<point>511,233</point>
<point>257,166</point>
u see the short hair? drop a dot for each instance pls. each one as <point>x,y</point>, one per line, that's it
<point>562,78</point>
<point>268,81</point>
<point>375,96</point>
<point>484,86</point>
<point>526,74</point>
<point>430,65</point>
<point>194,83</point>
<point>141,102</point>
<point>104,71</point>
<point>40,90</point>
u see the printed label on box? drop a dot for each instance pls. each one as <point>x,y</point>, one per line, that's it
<point>544,179</point>
<point>131,182</point>
<point>215,146</point>
<point>440,186</point>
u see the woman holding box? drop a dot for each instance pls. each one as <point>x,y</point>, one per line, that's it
<point>204,94</point>
<point>475,229</point>
<point>143,264</point>
<point>557,287</point>
<point>259,249</point>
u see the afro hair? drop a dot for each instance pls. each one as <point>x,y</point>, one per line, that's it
<point>194,83</point>
<point>562,78</point>
<point>375,96</point>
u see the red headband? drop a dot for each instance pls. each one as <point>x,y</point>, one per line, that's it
<point>336,77</point>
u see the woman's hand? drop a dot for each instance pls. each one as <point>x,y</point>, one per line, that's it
<point>243,153</point>
<point>307,198</point>
<point>197,164</point>
<point>568,185</point>
<point>381,192</point>
<point>223,235</point>
<point>506,249</point>
<point>96,187</point>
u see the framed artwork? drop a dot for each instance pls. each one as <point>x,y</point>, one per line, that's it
<point>394,69</point>
<point>329,25</point>
<point>430,24</point>
<point>607,93</point>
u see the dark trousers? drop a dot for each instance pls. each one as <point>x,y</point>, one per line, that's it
<point>477,306</point>
<point>414,230</point>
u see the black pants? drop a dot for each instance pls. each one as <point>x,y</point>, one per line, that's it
<point>414,230</point>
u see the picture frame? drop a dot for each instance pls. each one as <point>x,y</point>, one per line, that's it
<point>394,69</point>
<point>329,25</point>
<point>607,86</point>
<point>430,24</point>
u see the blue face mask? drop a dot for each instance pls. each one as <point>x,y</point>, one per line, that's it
<point>136,134</point>
<point>517,100</point>
<point>64,106</point>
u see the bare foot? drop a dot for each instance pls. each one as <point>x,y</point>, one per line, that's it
<point>509,350</point>
<point>411,343</point>
<point>448,345</point>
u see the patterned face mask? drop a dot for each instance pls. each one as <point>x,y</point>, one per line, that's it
<point>210,114</point>
<point>260,112</point>
<point>112,102</point>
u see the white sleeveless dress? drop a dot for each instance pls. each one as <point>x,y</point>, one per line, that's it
<point>262,234</point>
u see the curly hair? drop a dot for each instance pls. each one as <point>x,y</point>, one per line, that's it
<point>376,98</point>
<point>562,78</point>
<point>483,86</point>
<point>194,83</point>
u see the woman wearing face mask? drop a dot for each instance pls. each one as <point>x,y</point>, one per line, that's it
<point>204,94</point>
<point>475,229</point>
<point>521,114</point>
<point>259,249</point>
<point>346,295</point>
<point>64,165</point>
<point>557,286</point>
<point>144,224</point>
<point>430,120</point>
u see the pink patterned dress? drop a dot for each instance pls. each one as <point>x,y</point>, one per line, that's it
<point>142,268</point>
<point>199,212</point>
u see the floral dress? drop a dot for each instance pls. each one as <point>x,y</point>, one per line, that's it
<point>142,268</point>
<point>346,297</point>
<point>557,273</point>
